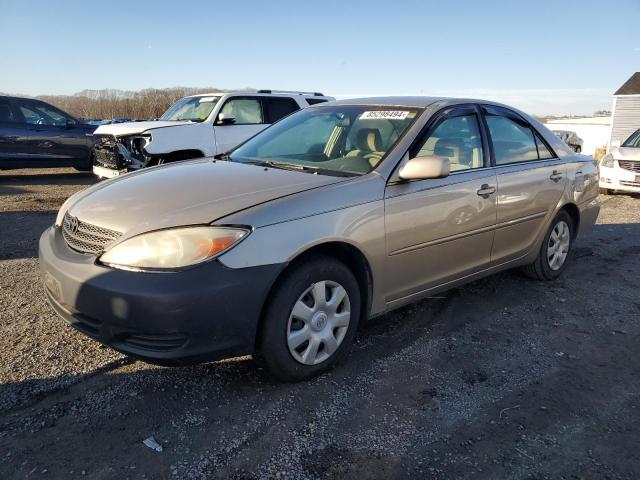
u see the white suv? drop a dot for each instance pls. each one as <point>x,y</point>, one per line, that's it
<point>197,126</point>
<point>620,169</point>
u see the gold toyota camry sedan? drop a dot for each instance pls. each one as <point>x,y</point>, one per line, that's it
<point>337,213</point>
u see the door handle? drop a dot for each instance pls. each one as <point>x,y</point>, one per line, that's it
<point>486,190</point>
<point>556,176</point>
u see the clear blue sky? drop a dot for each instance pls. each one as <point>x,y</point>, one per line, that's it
<point>544,56</point>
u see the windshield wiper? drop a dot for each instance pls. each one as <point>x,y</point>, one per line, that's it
<point>301,168</point>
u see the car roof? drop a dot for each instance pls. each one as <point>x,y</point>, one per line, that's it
<point>13,97</point>
<point>415,101</point>
<point>256,94</point>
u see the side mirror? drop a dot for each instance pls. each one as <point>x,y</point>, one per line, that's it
<point>421,168</point>
<point>225,119</point>
<point>69,123</point>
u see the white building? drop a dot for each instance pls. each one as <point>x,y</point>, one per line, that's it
<point>626,110</point>
<point>593,131</point>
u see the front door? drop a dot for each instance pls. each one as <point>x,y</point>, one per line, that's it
<point>249,119</point>
<point>531,180</point>
<point>50,139</point>
<point>440,230</point>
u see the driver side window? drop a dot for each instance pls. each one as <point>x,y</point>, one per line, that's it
<point>39,114</point>
<point>458,139</point>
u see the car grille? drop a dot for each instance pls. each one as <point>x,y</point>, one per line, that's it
<point>629,165</point>
<point>106,154</point>
<point>86,238</point>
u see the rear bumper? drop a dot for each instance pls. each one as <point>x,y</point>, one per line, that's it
<point>204,313</point>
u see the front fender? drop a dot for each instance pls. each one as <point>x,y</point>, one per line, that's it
<point>361,226</point>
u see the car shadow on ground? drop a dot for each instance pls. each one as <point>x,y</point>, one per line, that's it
<point>59,178</point>
<point>20,232</point>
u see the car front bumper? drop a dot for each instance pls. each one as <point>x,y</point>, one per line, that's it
<point>199,314</point>
<point>617,178</point>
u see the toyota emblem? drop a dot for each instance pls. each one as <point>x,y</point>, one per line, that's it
<point>74,224</point>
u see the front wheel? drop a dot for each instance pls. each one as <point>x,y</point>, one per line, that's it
<point>555,249</point>
<point>311,319</point>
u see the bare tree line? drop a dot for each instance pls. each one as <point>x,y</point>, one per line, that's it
<point>105,104</point>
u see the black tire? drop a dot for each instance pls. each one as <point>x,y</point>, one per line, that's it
<point>272,346</point>
<point>541,269</point>
<point>89,165</point>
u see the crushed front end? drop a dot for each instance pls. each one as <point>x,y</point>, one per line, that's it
<point>114,156</point>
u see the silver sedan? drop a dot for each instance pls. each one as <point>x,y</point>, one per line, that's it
<point>335,214</point>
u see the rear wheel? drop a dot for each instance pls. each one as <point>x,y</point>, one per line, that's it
<point>555,249</point>
<point>311,319</point>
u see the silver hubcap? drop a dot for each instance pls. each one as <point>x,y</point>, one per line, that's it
<point>558,246</point>
<point>318,322</point>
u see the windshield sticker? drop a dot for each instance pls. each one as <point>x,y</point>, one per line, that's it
<point>385,114</point>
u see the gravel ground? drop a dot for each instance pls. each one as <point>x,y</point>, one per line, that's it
<point>503,378</point>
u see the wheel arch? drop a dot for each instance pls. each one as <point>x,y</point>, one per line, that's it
<point>346,253</point>
<point>574,212</point>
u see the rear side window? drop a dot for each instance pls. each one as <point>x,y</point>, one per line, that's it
<point>512,141</point>
<point>246,111</point>
<point>6,113</point>
<point>278,108</point>
<point>314,101</point>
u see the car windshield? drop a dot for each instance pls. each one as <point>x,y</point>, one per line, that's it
<point>633,141</point>
<point>195,109</point>
<point>336,139</point>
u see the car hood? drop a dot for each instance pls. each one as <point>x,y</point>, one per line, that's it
<point>627,153</point>
<point>130,128</point>
<point>186,193</point>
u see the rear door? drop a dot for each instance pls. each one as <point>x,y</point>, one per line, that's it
<point>277,108</point>
<point>12,134</point>
<point>440,230</point>
<point>531,180</point>
<point>250,118</point>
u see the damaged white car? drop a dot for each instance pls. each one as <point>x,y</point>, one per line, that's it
<point>196,126</point>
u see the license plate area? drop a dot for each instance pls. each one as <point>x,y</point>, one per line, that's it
<point>103,172</point>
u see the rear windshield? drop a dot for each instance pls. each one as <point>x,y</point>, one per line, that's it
<point>333,139</point>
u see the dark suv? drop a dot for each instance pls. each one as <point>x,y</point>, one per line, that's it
<point>36,134</point>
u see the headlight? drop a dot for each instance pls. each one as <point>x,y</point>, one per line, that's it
<point>607,161</point>
<point>172,248</point>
